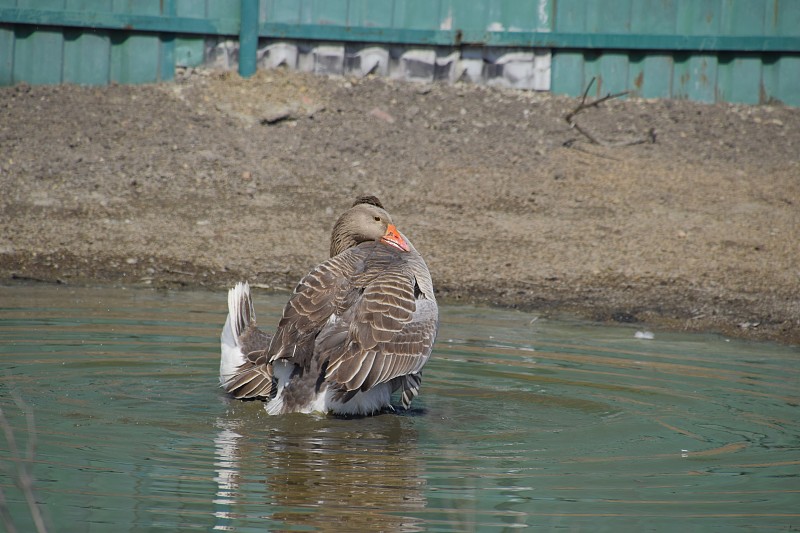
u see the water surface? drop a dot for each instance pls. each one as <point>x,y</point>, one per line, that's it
<point>521,422</point>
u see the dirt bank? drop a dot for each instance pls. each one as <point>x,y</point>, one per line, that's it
<point>215,179</point>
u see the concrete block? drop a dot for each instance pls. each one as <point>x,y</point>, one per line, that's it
<point>470,67</point>
<point>221,54</point>
<point>417,64</point>
<point>517,69</point>
<point>542,61</point>
<point>365,60</point>
<point>279,54</point>
<point>446,67</point>
<point>328,59</point>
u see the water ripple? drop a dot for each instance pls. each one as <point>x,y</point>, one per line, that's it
<point>521,422</point>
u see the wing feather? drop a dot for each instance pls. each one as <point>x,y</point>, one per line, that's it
<point>362,312</point>
<point>313,302</point>
<point>385,320</point>
<point>253,379</point>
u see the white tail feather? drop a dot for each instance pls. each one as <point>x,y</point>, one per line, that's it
<point>240,314</point>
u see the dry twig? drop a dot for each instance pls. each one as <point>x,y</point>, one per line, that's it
<point>583,106</point>
<point>24,477</point>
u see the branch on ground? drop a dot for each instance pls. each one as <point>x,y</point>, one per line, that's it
<point>584,105</point>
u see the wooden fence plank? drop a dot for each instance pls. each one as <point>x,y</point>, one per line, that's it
<point>38,56</point>
<point>567,72</point>
<point>654,77</point>
<point>6,54</point>
<point>371,13</point>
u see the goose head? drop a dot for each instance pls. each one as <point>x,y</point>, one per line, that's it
<point>366,221</point>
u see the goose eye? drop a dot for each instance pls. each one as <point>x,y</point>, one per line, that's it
<point>377,218</point>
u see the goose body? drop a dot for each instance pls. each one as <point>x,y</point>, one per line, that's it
<point>357,327</point>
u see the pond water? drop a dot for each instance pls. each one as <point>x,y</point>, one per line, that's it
<point>520,422</point>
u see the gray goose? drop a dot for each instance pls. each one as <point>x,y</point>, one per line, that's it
<point>357,327</point>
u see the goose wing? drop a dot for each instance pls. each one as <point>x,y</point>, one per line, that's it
<point>388,329</point>
<point>321,294</point>
<point>362,316</point>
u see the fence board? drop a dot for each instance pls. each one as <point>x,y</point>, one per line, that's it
<point>86,57</point>
<point>644,22</point>
<point>328,12</point>
<point>567,72</point>
<point>285,11</point>
<point>417,14</point>
<point>785,17</point>
<point>371,13</point>
<point>6,54</point>
<point>87,53</point>
<point>781,79</point>
<point>608,17</point>
<point>650,76</point>
<point>612,73</point>
<point>698,17</point>
<point>570,16</point>
<point>38,55</point>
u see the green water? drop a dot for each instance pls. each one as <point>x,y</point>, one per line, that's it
<point>521,422</point>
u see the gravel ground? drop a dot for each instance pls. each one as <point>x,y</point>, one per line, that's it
<point>681,216</point>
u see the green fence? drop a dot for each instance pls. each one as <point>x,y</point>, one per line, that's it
<point>706,50</point>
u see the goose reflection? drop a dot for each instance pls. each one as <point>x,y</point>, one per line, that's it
<point>319,472</point>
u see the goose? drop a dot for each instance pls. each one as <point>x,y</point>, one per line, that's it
<point>358,327</point>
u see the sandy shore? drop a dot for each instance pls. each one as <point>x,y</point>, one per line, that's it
<point>681,216</point>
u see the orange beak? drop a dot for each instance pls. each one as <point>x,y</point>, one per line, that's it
<point>393,238</point>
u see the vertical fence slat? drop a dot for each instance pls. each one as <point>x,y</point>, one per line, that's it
<point>86,52</point>
<point>612,73</point>
<point>7,43</point>
<point>166,56</point>
<point>545,15</point>
<point>786,17</point>
<point>38,55</point>
<point>739,78</point>
<point>356,10</point>
<point>417,14</point>
<point>654,16</point>
<point>248,38</point>
<point>190,51</point>
<point>697,76</point>
<point>608,17</point>
<point>568,74</point>
<point>654,77</point>
<point>781,79</point>
<point>470,18</point>
<point>333,12</point>
<point>650,75</point>
<point>135,57</point>
<point>283,11</point>
<point>570,16</point>
<point>495,13</point>
<point>372,13</point>
<point>784,80</point>
<point>86,57</point>
<point>6,55</point>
